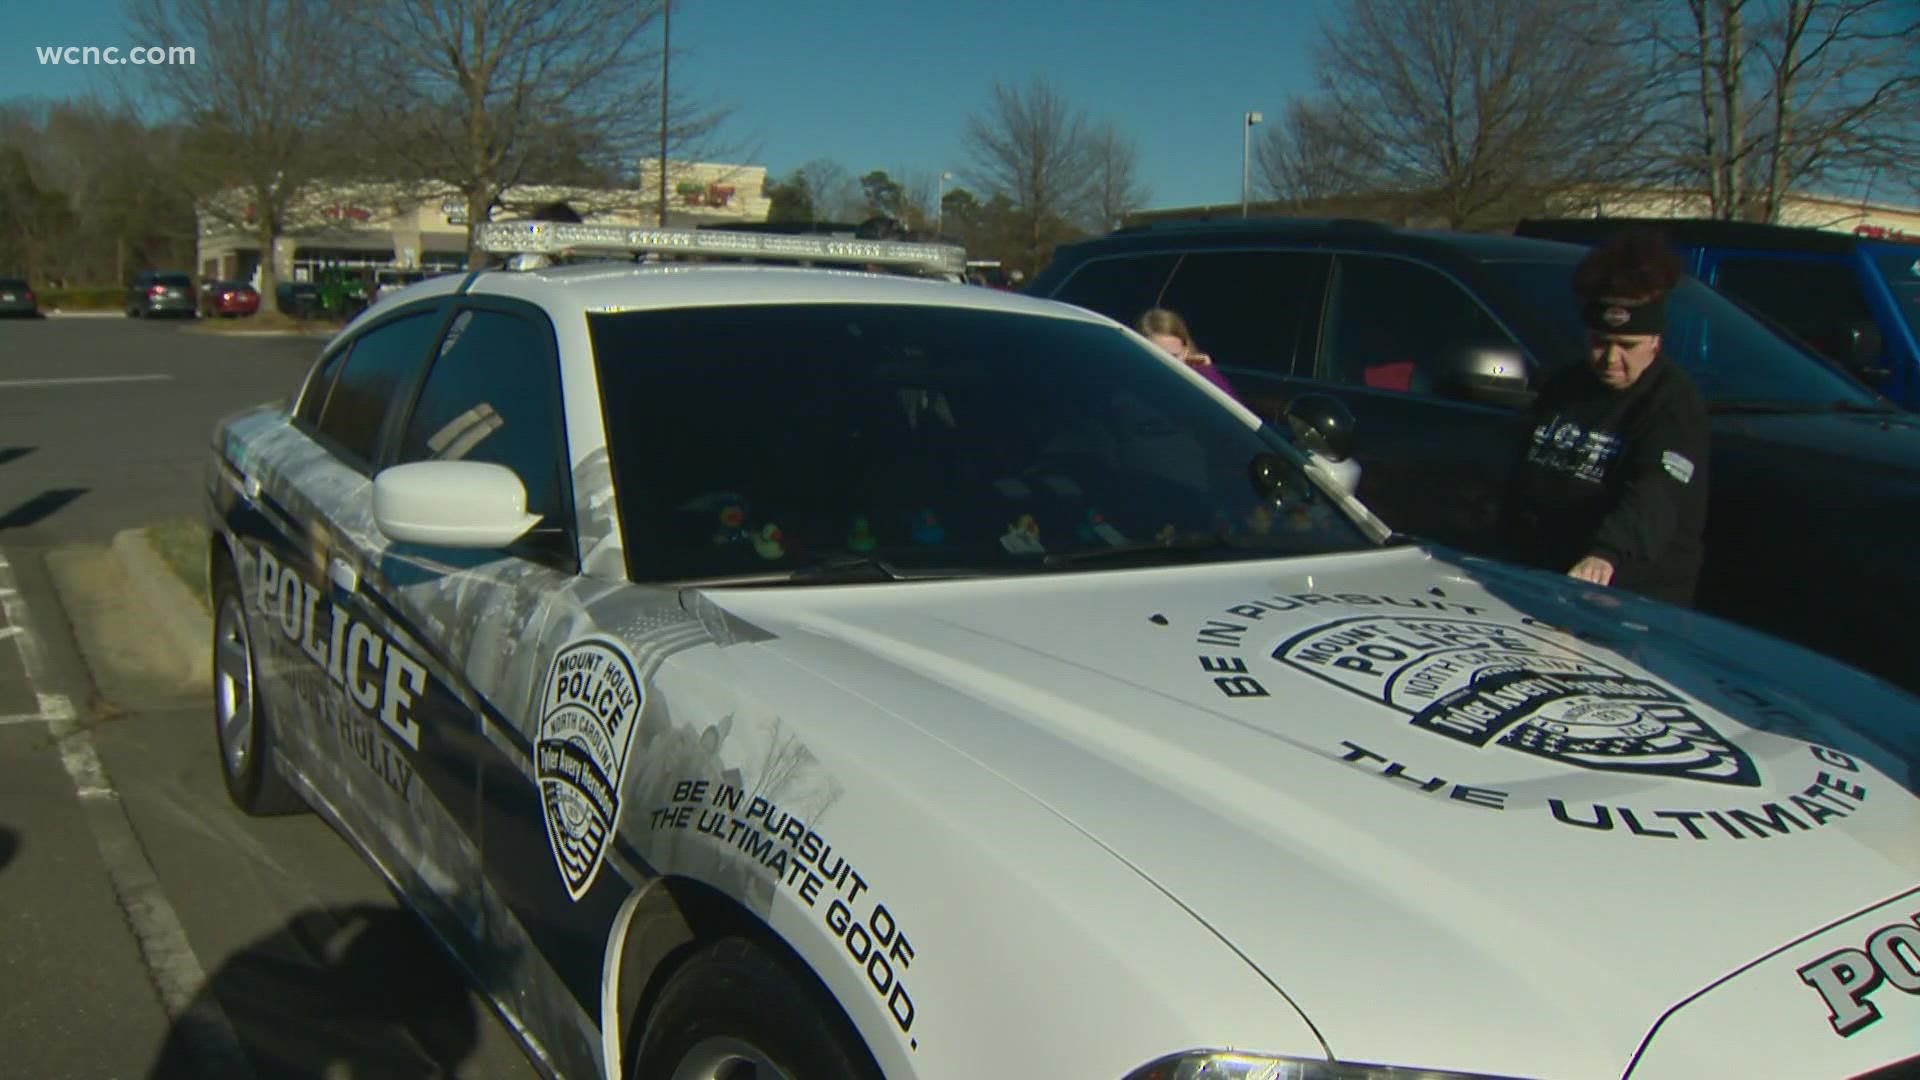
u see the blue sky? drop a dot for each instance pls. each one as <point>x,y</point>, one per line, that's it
<point>890,85</point>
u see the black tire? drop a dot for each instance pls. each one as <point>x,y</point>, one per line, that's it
<point>241,730</point>
<point>734,1011</point>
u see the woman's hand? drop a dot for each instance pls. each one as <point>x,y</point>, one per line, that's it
<point>1593,568</point>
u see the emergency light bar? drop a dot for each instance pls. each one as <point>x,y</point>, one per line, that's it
<point>558,238</point>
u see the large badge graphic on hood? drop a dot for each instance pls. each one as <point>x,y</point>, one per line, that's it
<point>589,706</point>
<point>1481,682</point>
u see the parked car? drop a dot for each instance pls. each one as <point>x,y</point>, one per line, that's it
<point>228,299</point>
<point>17,299</point>
<point>161,292</point>
<point>1854,299</point>
<point>1435,341</point>
<point>755,671</point>
<point>298,299</point>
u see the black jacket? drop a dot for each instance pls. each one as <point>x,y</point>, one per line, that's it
<point>1621,474</point>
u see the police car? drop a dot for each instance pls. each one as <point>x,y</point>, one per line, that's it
<point>772,671</point>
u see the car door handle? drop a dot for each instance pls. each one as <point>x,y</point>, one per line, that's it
<point>343,575</point>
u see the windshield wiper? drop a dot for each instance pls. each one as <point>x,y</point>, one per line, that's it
<point>1147,550</point>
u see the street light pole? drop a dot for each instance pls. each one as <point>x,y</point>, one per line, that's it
<point>1246,147</point>
<point>940,206</point>
<point>666,49</point>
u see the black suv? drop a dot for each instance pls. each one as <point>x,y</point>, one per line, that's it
<point>1436,341</point>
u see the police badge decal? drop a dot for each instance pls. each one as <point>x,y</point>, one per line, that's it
<point>1482,682</point>
<point>589,706</point>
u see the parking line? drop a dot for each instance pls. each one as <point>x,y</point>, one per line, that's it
<point>79,380</point>
<point>169,957</point>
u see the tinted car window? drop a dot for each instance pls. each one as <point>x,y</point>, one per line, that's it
<point>1734,359</point>
<point>181,280</point>
<point>382,364</point>
<point>12,283</point>
<point>313,399</point>
<point>1812,300</point>
<point>1390,319</point>
<point>761,439</point>
<point>1902,270</point>
<point>1255,310</point>
<point>1119,288</point>
<point>493,395</point>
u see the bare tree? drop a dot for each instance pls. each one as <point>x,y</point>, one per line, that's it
<point>1117,189</point>
<point>1032,145</point>
<point>1303,158</point>
<point>836,194</point>
<point>255,103</point>
<point>488,95</point>
<point>1478,107</point>
<point>1790,95</point>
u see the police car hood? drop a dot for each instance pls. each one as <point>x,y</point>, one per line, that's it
<point>1463,815</point>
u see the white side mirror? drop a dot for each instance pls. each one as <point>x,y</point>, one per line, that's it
<point>460,504</point>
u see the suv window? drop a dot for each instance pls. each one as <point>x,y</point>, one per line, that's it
<point>1390,319</point>
<point>493,395</point>
<point>381,365</point>
<point>1902,270</point>
<point>1257,310</point>
<point>1814,300</point>
<point>1119,288</point>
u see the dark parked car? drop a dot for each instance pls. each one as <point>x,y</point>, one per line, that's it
<point>17,299</point>
<point>161,292</point>
<point>1855,299</point>
<point>300,299</point>
<point>1435,341</point>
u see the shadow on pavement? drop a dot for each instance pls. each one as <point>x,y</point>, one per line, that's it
<point>363,991</point>
<point>39,508</point>
<point>10,454</point>
<point>9,843</point>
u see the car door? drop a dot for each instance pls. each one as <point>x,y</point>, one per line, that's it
<point>1434,463</point>
<point>386,758</point>
<point>493,394</point>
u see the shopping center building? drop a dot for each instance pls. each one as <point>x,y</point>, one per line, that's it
<point>414,227</point>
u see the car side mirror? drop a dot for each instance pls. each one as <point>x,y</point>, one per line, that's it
<point>1495,374</point>
<point>1322,424</point>
<point>458,504</point>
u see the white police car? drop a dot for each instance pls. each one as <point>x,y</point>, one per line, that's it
<point>836,674</point>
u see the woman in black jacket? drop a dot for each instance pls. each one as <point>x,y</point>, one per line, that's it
<point>1611,482</point>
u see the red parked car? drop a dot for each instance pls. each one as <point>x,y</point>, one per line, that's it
<point>228,299</point>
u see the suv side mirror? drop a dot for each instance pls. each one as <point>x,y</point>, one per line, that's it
<point>1860,347</point>
<point>1495,374</point>
<point>1322,424</point>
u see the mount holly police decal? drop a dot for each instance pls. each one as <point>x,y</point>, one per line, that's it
<point>1481,682</point>
<point>589,708</point>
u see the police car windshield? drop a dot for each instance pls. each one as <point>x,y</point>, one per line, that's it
<point>767,439</point>
<point>1733,357</point>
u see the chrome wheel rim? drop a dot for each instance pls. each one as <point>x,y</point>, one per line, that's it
<point>722,1058</point>
<point>233,685</point>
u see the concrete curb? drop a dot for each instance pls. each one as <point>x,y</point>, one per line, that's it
<point>176,613</point>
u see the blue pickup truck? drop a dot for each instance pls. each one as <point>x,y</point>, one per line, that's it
<point>1856,299</point>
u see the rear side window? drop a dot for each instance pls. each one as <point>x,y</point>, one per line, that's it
<point>1119,288</point>
<point>1251,310</point>
<point>382,364</point>
<point>1815,301</point>
<point>313,399</point>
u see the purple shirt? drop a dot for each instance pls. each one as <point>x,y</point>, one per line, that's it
<point>1211,373</point>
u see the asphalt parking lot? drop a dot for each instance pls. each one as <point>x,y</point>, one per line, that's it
<point>149,929</point>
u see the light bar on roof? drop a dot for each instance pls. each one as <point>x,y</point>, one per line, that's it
<point>558,237</point>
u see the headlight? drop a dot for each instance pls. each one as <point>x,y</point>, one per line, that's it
<point>1227,1065</point>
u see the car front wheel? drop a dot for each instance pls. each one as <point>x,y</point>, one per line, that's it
<point>733,1012</point>
<point>240,721</point>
